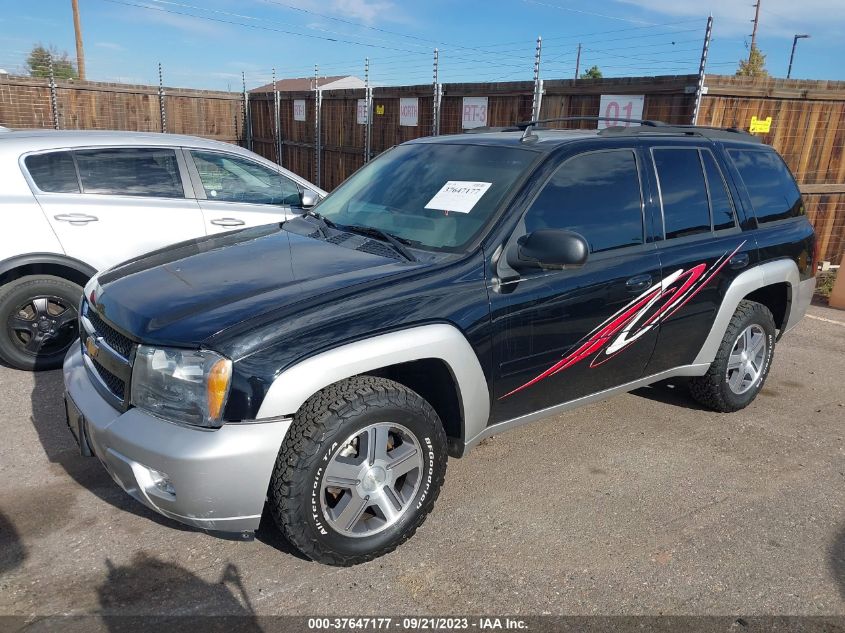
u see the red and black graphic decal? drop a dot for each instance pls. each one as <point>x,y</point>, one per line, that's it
<point>632,322</point>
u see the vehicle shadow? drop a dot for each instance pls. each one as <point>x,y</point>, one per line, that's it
<point>12,550</point>
<point>673,391</point>
<point>836,559</point>
<point>151,594</point>
<point>48,418</point>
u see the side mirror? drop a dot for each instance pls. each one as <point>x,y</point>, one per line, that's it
<point>308,198</point>
<point>548,249</point>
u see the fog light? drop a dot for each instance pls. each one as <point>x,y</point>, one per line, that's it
<point>161,481</point>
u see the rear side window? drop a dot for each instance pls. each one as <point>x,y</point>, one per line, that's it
<point>53,172</point>
<point>683,192</point>
<point>141,171</point>
<point>773,192</point>
<point>720,199</point>
<point>595,194</point>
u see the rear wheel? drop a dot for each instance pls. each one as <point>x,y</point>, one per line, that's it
<point>742,363</point>
<point>359,470</point>
<point>38,315</point>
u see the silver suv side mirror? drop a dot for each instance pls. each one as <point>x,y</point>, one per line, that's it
<point>308,198</point>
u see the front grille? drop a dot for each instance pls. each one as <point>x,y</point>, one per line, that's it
<point>110,363</point>
<point>115,339</point>
<point>116,385</point>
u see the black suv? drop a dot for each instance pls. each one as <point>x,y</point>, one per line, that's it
<point>453,288</point>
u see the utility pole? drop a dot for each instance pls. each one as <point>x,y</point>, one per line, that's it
<point>77,28</point>
<point>578,61</point>
<point>792,54</point>
<point>756,20</point>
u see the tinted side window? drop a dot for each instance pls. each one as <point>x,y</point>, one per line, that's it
<point>720,198</point>
<point>53,172</point>
<point>683,193</point>
<point>595,194</point>
<point>234,179</point>
<point>773,193</point>
<point>141,171</point>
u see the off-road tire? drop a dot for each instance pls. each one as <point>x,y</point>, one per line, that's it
<point>712,389</point>
<point>330,417</point>
<point>18,292</point>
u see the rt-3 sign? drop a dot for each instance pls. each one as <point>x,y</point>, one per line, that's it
<point>620,107</point>
<point>474,113</point>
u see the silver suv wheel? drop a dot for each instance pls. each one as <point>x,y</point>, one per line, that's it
<point>371,480</point>
<point>745,364</point>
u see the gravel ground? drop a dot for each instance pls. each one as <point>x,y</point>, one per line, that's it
<point>644,504</point>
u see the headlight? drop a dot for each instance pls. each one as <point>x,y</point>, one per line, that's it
<point>182,385</point>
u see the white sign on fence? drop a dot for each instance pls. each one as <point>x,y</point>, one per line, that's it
<point>474,112</point>
<point>622,107</point>
<point>409,111</point>
<point>362,112</point>
<point>299,109</point>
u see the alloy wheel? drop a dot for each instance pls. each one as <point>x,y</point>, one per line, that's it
<point>371,480</point>
<point>45,324</point>
<point>745,363</point>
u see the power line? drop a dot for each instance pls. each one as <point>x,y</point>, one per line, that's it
<point>592,13</point>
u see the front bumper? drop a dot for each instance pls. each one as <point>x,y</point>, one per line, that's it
<point>219,477</point>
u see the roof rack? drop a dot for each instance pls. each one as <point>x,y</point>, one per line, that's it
<point>646,126</point>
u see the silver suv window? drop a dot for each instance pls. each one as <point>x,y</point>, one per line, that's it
<point>125,171</point>
<point>53,172</point>
<point>229,178</point>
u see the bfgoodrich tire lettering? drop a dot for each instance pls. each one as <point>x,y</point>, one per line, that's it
<point>319,439</point>
<point>713,389</point>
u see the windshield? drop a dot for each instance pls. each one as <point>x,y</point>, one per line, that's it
<point>433,195</point>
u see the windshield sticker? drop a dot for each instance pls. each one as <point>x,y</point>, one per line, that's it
<point>459,196</point>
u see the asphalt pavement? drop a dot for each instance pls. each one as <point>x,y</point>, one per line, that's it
<point>643,504</point>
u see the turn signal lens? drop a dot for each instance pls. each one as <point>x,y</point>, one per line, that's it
<point>219,378</point>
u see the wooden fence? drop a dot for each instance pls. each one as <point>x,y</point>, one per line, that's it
<point>27,102</point>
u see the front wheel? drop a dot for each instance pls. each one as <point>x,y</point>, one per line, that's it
<point>359,470</point>
<point>742,362</point>
<point>38,316</point>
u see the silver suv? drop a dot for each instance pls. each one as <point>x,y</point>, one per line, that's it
<point>84,201</point>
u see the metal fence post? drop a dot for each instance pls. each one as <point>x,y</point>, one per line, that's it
<point>538,83</point>
<point>699,90</point>
<point>435,106</point>
<point>162,113</point>
<point>317,129</point>
<point>54,98</point>
<point>247,119</point>
<point>368,107</point>
<point>277,120</point>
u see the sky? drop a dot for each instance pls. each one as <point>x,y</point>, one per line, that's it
<point>209,43</point>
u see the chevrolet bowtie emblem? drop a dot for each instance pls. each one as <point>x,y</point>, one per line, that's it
<point>91,347</point>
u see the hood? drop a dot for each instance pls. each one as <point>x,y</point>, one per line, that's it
<point>186,293</point>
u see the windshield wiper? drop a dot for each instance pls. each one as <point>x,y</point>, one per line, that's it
<point>394,240</point>
<point>323,224</point>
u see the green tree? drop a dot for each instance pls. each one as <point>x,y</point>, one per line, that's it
<point>38,63</point>
<point>592,73</point>
<point>754,66</point>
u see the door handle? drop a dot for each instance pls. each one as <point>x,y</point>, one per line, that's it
<point>77,219</point>
<point>228,222</point>
<point>640,282</point>
<point>740,260</point>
